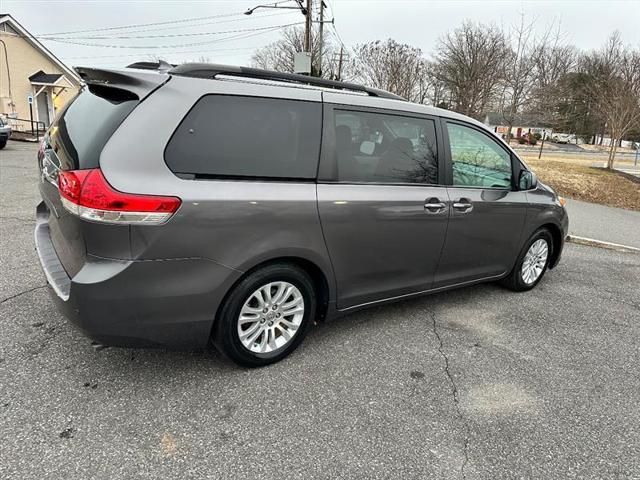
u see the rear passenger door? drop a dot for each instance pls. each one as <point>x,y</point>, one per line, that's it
<point>382,205</point>
<point>487,212</point>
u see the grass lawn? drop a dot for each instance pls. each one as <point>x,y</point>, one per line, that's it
<point>584,182</point>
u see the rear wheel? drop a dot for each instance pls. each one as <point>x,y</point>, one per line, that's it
<point>532,262</point>
<point>266,316</point>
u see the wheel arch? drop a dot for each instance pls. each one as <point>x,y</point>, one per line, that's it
<point>318,275</point>
<point>556,248</point>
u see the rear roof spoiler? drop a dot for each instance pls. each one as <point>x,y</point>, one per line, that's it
<point>139,83</point>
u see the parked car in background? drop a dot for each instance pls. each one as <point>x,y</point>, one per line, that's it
<point>5,133</point>
<point>564,138</point>
<point>266,201</point>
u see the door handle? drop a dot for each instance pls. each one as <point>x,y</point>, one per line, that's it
<point>434,205</point>
<point>463,205</point>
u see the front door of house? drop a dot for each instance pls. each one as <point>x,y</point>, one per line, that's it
<point>43,101</point>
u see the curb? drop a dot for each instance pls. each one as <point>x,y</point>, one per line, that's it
<point>601,244</point>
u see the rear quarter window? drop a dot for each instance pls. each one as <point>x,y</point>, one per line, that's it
<point>234,136</point>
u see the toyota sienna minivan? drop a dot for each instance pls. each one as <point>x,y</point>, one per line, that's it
<point>183,205</point>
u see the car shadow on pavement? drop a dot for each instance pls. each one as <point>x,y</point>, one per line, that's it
<point>371,321</point>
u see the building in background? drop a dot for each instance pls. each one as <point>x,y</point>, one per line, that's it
<point>522,125</point>
<point>29,73</point>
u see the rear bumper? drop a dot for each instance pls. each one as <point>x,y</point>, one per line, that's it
<point>168,303</point>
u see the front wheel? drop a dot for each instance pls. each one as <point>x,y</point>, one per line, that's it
<point>3,144</point>
<point>532,262</point>
<point>266,316</point>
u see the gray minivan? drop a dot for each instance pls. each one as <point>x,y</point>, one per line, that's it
<point>205,203</point>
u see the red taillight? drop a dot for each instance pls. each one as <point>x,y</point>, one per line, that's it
<point>86,193</point>
<point>70,184</point>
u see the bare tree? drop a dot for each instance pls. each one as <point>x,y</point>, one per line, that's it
<point>392,66</point>
<point>615,89</point>
<point>434,86</point>
<point>533,65</point>
<point>555,83</point>
<point>469,63</point>
<point>552,62</point>
<point>279,54</point>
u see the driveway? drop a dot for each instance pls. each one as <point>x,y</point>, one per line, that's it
<point>479,383</point>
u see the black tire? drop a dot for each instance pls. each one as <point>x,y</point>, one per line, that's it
<point>225,334</point>
<point>2,145</point>
<point>514,280</point>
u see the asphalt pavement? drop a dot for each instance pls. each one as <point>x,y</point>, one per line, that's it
<point>478,383</point>
<point>633,169</point>
<point>604,223</point>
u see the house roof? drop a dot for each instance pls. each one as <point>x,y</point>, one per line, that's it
<point>68,72</point>
<point>48,78</point>
<point>519,120</point>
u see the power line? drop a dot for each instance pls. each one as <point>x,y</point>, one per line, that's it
<point>333,24</point>
<point>172,53</point>
<point>204,24</point>
<point>184,20</point>
<point>164,35</point>
<point>168,35</point>
<point>211,57</point>
<point>184,45</point>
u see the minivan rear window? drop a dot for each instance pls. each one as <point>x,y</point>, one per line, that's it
<point>81,130</point>
<point>234,136</point>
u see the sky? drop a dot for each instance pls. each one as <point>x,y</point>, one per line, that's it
<point>217,30</point>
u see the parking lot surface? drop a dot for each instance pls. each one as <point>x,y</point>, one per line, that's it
<point>479,383</point>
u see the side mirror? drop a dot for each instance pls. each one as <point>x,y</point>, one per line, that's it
<point>527,180</point>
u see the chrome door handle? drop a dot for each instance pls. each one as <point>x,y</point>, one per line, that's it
<point>434,205</point>
<point>463,205</point>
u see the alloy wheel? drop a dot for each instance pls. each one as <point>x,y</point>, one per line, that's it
<point>534,261</point>
<point>270,317</point>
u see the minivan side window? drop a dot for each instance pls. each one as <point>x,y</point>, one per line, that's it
<point>235,136</point>
<point>385,148</point>
<point>477,160</point>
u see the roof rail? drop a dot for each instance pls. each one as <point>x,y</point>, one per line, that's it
<point>211,70</point>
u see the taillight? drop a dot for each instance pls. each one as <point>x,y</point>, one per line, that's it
<point>87,194</point>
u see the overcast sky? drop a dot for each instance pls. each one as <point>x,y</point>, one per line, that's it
<point>227,36</point>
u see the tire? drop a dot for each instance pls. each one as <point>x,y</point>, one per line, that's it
<point>274,319</point>
<point>3,144</point>
<point>517,280</point>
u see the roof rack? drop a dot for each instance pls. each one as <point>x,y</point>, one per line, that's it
<point>211,70</point>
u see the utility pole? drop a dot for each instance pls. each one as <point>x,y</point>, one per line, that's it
<point>307,28</point>
<point>321,37</point>
<point>340,63</point>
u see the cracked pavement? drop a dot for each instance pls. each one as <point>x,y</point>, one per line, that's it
<point>478,382</point>
<point>454,393</point>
